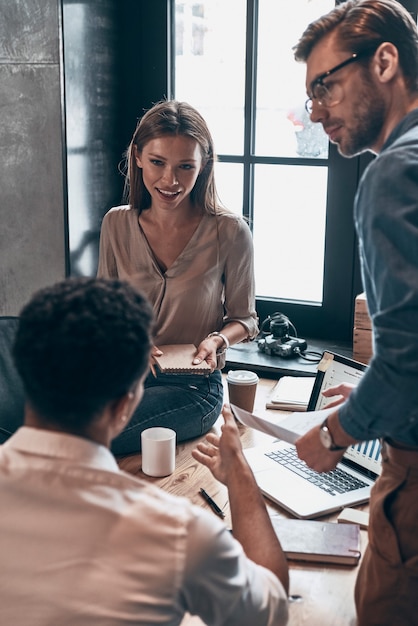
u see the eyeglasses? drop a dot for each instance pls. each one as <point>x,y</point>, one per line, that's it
<point>330,95</point>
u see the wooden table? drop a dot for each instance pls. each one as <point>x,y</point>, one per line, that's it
<point>323,593</point>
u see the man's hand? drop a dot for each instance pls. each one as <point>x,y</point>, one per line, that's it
<point>311,450</point>
<point>221,454</point>
<point>342,392</point>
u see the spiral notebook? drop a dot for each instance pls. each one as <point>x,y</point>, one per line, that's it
<point>178,359</point>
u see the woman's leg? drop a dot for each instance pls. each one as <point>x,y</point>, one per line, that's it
<point>189,404</point>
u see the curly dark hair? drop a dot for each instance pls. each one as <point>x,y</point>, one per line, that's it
<point>80,344</point>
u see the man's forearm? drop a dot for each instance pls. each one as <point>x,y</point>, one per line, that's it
<point>251,523</point>
<point>339,435</point>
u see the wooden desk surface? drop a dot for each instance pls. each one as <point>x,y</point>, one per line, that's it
<point>325,591</point>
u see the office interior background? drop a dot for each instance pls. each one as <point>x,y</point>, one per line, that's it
<point>75,77</point>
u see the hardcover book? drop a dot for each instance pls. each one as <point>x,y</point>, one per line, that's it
<point>316,541</point>
<point>178,359</point>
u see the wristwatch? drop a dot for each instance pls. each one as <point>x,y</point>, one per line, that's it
<point>326,437</point>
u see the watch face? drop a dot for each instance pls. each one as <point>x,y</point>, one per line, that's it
<point>325,437</point>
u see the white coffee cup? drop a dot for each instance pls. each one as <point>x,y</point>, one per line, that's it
<point>158,446</point>
<point>242,387</point>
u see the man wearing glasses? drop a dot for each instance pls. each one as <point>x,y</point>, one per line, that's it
<point>362,82</point>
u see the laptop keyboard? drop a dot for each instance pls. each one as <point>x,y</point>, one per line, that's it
<point>333,482</point>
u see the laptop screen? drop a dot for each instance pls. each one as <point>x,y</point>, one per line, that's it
<point>367,454</point>
<point>333,370</point>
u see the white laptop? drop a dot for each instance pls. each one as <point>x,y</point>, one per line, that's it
<point>307,494</point>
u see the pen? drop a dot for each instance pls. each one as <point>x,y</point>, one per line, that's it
<point>215,508</point>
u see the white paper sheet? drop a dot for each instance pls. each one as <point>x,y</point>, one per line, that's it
<point>288,429</point>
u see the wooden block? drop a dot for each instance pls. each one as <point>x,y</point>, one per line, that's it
<point>362,358</point>
<point>363,340</point>
<point>361,313</point>
<point>362,345</point>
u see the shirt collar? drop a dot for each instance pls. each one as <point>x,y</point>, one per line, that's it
<point>409,121</point>
<point>62,446</point>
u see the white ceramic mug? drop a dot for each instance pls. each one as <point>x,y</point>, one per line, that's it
<point>158,446</point>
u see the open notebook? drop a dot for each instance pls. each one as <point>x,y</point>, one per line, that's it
<point>289,482</point>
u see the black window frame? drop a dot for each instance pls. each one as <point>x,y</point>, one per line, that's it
<point>333,318</point>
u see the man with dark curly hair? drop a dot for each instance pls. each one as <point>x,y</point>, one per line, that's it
<point>82,542</point>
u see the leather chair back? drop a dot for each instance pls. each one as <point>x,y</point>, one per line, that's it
<point>12,397</point>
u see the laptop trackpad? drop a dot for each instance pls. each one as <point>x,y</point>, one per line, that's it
<point>302,500</point>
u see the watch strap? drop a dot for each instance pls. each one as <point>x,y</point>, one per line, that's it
<point>333,446</point>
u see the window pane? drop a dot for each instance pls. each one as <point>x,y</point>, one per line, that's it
<point>289,231</point>
<point>229,183</point>
<point>283,127</point>
<point>210,66</point>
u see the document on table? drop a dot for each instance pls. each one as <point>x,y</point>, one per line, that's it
<point>288,429</point>
<point>291,393</point>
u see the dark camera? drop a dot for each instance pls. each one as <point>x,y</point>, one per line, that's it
<point>276,340</point>
<point>291,346</point>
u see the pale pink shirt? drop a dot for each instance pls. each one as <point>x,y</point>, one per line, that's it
<point>83,543</point>
<point>210,284</point>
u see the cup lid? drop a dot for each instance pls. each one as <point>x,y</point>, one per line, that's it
<point>242,377</point>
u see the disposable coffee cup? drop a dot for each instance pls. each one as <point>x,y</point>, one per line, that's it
<point>242,386</point>
<point>158,447</point>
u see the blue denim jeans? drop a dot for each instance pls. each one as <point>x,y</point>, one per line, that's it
<point>189,404</point>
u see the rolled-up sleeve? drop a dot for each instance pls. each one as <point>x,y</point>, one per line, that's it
<point>107,267</point>
<point>239,278</point>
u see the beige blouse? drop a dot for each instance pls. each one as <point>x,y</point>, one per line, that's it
<point>210,284</point>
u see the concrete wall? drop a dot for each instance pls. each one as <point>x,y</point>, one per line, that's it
<point>115,67</point>
<point>75,75</point>
<point>32,212</point>
<point>93,108</point>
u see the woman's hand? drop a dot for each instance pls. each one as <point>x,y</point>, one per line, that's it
<point>154,352</point>
<point>213,345</point>
<point>207,352</point>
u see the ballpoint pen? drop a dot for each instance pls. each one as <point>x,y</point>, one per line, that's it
<point>215,508</point>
